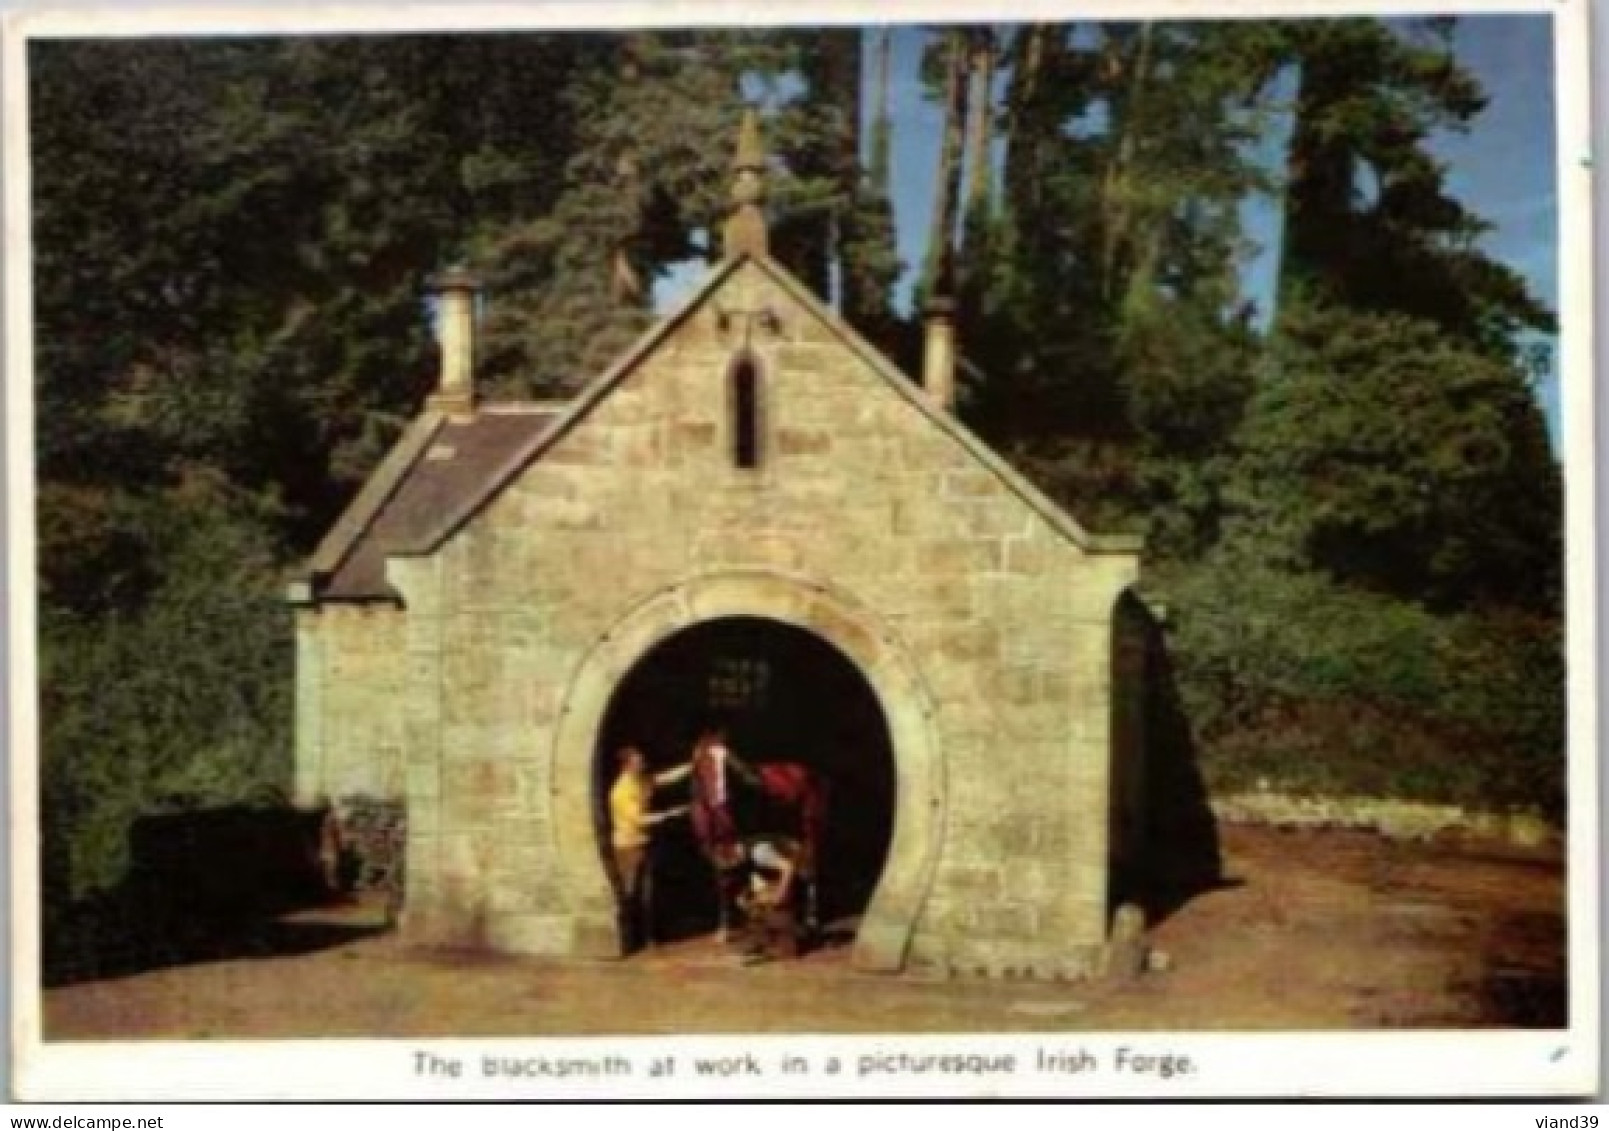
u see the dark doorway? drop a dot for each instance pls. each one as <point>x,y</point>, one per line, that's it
<point>784,695</point>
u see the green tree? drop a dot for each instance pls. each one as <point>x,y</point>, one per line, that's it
<point>232,238</point>
<point>1369,221</point>
<point>1102,301</point>
<point>267,319</point>
<point>645,187</point>
<point>871,263</point>
<point>946,63</point>
<point>1396,440</point>
<point>1384,453</point>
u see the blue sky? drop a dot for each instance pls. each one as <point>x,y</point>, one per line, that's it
<point>1506,168</point>
<point>1503,168</point>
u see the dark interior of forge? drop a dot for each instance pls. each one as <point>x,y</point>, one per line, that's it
<point>783,695</point>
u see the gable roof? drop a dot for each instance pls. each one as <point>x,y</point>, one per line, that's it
<point>438,462</point>
<point>444,470</point>
<point>517,460</point>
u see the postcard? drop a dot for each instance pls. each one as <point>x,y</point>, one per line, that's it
<point>571,550</point>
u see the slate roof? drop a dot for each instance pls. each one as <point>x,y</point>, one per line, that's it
<point>437,465</point>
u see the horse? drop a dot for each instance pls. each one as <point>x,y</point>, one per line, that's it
<point>788,793</point>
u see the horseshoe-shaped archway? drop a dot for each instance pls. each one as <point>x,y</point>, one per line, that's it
<point>884,936</point>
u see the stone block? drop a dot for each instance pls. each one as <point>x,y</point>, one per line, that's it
<point>963,482</point>
<point>532,781</point>
<point>769,549</point>
<point>583,446</point>
<point>512,893</point>
<point>937,596</point>
<point>995,518</point>
<point>692,435</point>
<point>424,782</point>
<point>958,557</point>
<point>803,441</point>
<point>1027,555</point>
<point>856,637</point>
<point>1128,924</point>
<point>424,816</point>
<point>463,860</point>
<point>536,935</point>
<point>971,643</point>
<point>1020,684</point>
<point>583,937</point>
<point>880,951</point>
<point>630,404</point>
<point>474,793</point>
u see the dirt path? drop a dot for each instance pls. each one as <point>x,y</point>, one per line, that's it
<point>1316,930</point>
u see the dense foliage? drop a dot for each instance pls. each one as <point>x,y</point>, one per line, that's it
<point>1353,510</point>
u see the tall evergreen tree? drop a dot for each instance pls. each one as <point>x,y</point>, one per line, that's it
<point>870,259</point>
<point>1105,296</point>
<point>947,62</point>
<point>1369,220</point>
<point>232,239</point>
<point>1386,295</point>
<point>817,132</point>
<point>645,186</point>
<point>1385,453</point>
<point>978,159</point>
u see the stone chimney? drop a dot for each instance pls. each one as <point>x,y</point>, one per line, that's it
<point>938,353</point>
<point>455,290</point>
<point>745,232</point>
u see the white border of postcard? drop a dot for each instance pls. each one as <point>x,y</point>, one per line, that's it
<point>1445,1064</point>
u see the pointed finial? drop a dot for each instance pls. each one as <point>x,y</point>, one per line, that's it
<point>745,232</point>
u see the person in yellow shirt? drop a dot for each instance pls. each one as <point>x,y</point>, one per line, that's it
<point>630,837</point>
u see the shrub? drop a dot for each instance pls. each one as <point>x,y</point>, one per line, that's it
<point>181,700</point>
<point>1314,688</point>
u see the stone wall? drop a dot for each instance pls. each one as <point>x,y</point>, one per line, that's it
<point>1388,816</point>
<point>349,670</point>
<point>937,566</point>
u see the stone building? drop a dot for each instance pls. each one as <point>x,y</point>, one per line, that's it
<point>751,513</point>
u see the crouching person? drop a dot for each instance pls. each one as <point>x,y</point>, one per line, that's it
<point>770,901</point>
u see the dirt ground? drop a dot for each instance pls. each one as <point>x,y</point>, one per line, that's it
<point>1312,930</point>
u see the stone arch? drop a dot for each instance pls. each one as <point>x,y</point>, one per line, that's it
<point>862,637</point>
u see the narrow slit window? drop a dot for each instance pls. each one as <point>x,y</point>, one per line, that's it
<point>745,413</point>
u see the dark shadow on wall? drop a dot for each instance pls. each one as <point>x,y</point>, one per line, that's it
<point>204,886</point>
<point>1166,849</point>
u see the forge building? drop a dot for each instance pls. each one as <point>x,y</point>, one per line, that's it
<point>751,515</point>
